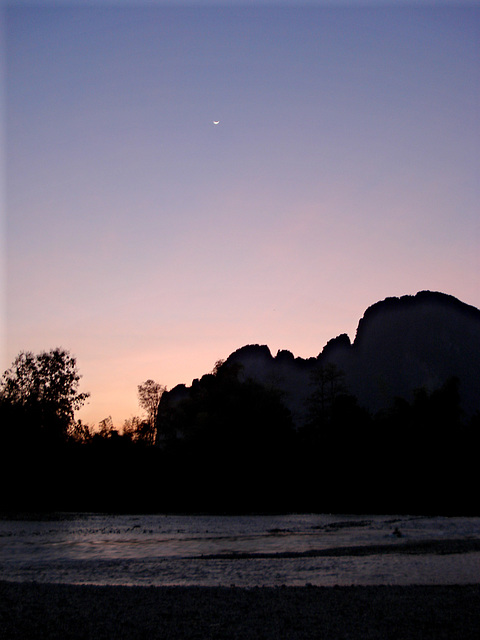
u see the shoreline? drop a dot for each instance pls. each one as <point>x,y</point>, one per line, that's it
<point>51,611</point>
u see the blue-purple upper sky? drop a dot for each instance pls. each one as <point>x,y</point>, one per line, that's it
<point>151,242</point>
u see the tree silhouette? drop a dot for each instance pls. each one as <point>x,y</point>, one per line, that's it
<point>149,395</point>
<point>41,392</point>
<point>328,384</point>
<point>106,428</point>
<point>80,432</point>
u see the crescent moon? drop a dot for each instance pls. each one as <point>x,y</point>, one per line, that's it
<point>216,122</point>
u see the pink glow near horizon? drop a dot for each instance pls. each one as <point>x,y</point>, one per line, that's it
<point>151,243</point>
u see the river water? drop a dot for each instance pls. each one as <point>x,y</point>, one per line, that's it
<point>246,551</point>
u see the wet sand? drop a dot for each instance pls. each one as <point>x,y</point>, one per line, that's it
<point>31,610</point>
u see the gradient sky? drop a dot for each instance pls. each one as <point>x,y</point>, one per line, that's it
<point>150,242</point>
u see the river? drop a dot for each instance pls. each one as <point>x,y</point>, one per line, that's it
<point>247,551</point>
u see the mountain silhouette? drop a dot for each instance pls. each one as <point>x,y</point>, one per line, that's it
<point>406,343</point>
<point>401,345</point>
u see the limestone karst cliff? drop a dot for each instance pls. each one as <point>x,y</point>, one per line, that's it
<point>401,344</point>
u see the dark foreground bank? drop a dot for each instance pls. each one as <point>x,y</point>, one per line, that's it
<point>64,611</point>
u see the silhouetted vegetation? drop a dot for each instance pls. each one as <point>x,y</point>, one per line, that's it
<point>149,394</point>
<point>229,444</point>
<point>233,439</point>
<point>39,395</point>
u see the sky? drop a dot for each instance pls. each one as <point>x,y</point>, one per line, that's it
<point>151,242</point>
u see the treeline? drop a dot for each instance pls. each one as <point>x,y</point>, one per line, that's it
<point>231,446</point>
<point>50,461</point>
<point>240,445</point>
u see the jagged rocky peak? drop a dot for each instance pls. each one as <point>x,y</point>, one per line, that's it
<point>336,348</point>
<point>285,357</point>
<point>417,341</point>
<point>254,351</point>
<point>401,344</point>
<point>409,313</point>
<point>256,361</point>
